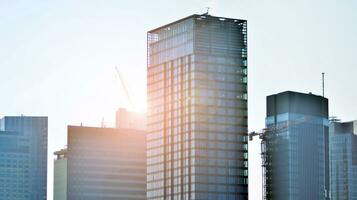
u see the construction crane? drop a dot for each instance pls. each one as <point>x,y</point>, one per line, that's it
<point>272,130</point>
<point>125,88</point>
<point>263,136</point>
<point>276,128</point>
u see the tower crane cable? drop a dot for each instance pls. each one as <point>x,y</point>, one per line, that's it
<point>124,87</point>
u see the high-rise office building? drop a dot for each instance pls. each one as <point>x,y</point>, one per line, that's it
<point>60,175</point>
<point>23,158</point>
<point>106,164</point>
<point>343,160</point>
<point>197,109</point>
<point>296,165</point>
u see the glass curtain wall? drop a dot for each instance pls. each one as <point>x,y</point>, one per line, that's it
<point>197,120</point>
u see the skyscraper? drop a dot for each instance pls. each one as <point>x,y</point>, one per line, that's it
<point>197,109</point>
<point>23,158</point>
<point>343,160</point>
<point>297,161</point>
<point>106,164</point>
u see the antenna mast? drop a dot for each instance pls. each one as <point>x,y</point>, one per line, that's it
<point>323,84</point>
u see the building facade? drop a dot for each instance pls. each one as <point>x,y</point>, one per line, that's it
<point>343,160</point>
<point>197,109</point>
<point>23,158</point>
<point>297,161</point>
<point>106,164</point>
<point>60,175</point>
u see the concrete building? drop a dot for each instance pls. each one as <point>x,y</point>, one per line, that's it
<point>106,164</point>
<point>197,109</point>
<point>60,175</point>
<point>343,160</point>
<point>23,158</point>
<point>297,161</point>
<point>130,120</point>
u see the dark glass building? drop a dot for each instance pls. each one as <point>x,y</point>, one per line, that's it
<point>23,158</point>
<point>105,164</point>
<point>343,160</point>
<point>297,161</point>
<point>197,109</point>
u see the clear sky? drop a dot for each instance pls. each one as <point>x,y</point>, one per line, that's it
<point>57,58</point>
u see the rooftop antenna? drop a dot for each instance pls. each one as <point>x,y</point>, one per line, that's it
<point>323,84</point>
<point>103,123</point>
<point>207,11</point>
<point>334,119</point>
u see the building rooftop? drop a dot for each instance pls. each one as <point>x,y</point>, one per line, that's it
<point>61,153</point>
<point>297,102</point>
<point>297,93</point>
<point>99,129</point>
<point>201,16</point>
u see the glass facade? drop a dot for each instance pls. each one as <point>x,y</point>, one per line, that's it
<point>296,147</point>
<point>197,109</point>
<point>60,175</point>
<point>343,160</point>
<point>23,158</point>
<point>106,164</point>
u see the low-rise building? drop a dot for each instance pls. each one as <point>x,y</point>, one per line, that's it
<point>104,163</point>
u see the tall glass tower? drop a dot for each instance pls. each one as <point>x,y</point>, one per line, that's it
<point>197,97</point>
<point>343,160</point>
<point>297,161</point>
<point>23,158</point>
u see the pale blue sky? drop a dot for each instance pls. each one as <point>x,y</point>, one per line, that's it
<point>57,58</point>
